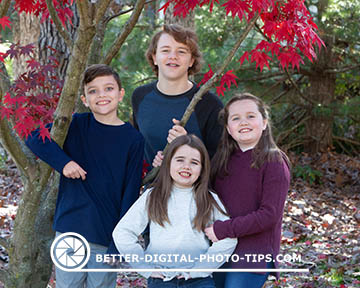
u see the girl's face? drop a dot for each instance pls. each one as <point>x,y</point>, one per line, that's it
<point>172,58</point>
<point>245,123</point>
<point>185,166</point>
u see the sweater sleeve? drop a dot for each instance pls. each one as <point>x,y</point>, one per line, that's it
<point>126,232</point>
<point>48,150</point>
<point>224,248</point>
<point>276,182</point>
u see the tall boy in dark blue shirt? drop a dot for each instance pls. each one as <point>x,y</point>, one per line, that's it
<point>100,166</point>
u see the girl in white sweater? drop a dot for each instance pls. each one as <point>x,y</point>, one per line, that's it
<point>178,207</point>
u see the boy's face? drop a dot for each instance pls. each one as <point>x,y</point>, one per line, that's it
<point>172,58</point>
<point>102,96</point>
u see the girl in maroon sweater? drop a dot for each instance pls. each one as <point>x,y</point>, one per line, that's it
<point>251,176</point>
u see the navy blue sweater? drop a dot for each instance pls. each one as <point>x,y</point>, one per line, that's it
<point>112,156</point>
<point>153,112</point>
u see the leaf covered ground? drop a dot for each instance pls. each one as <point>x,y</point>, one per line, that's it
<point>321,222</point>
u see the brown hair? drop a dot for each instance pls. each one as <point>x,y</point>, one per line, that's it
<point>181,35</point>
<point>265,150</point>
<point>98,70</point>
<point>162,186</point>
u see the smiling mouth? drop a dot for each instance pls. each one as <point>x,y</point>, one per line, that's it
<point>104,102</point>
<point>185,174</point>
<point>172,65</point>
<point>245,130</point>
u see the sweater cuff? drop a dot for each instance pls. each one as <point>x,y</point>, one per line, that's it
<point>220,229</point>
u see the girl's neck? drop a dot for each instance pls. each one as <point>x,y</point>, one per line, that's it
<point>177,87</point>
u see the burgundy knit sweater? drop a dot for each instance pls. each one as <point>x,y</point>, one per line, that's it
<point>255,199</point>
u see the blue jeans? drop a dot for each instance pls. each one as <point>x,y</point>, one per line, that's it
<point>207,282</point>
<point>66,279</point>
<point>245,280</point>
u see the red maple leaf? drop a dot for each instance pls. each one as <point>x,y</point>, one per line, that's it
<point>33,64</point>
<point>243,57</point>
<point>5,112</point>
<point>220,90</point>
<point>236,7</point>
<point>260,58</point>
<point>207,76</point>
<point>228,78</point>
<point>4,22</point>
<point>43,132</point>
<point>204,2</point>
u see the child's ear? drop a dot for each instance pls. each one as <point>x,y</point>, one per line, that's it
<point>192,62</point>
<point>154,59</point>
<point>265,123</point>
<point>121,94</point>
<point>83,99</point>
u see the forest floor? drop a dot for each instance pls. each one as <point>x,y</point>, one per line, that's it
<point>320,225</point>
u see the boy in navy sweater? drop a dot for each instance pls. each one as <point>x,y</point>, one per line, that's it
<point>100,166</point>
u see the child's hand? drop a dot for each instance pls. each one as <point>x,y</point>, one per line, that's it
<point>157,275</point>
<point>74,171</point>
<point>209,231</point>
<point>176,131</point>
<point>158,159</point>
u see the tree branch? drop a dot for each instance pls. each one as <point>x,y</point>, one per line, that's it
<point>346,140</point>
<point>10,141</point>
<point>206,87</point>
<point>101,7</point>
<point>128,27</point>
<point>125,12</point>
<point>4,7</point>
<point>83,9</point>
<point>60,28</point>
<point>341,69</point>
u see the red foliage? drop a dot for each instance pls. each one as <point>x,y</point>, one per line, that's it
<point>32,98</point>
<point>5,22</point>
<point>288,30</point>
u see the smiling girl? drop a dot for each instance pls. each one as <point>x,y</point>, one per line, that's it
<point>177,207</point>
<point>251,176</point>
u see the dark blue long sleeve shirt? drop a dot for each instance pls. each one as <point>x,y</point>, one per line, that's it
<point>153,112</point>
<point>112,156</point>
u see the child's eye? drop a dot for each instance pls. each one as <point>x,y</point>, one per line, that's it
<point>165,50</point>
<point>109,88</point>
<point>195,163</point>
<point>251,116</point>
<point>92,91</point>
<point>235,118</point>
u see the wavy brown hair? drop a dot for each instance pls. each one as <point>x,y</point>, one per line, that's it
<point>157,201</point>
<point>181,35</point>
<point>265,150</point>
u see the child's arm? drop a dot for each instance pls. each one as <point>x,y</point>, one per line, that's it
<point>51,153</point>
<point>275,187</point>
<point>126,232</point>
<point>223,247</point>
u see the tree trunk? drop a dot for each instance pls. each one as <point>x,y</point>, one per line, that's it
<point>26,31</point>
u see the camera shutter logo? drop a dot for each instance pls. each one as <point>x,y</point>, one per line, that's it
<point>70,251</point>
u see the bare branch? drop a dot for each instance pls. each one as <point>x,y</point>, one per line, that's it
<point>4,7</point>
<point>60,28</point>
<point>128,27</point>
<point>125,12</point>
<point>347,140</point>
<point>206,87</point>
<point>342,69</point>
<point>101,7</point>
<point>298,89</point>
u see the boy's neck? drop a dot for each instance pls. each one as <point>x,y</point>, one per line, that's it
<point>177,87</point>
<point>106,120</point>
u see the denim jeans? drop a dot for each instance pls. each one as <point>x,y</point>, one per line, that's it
<point>207,282</point>
<point>66,279</point>
<point>245,280</point>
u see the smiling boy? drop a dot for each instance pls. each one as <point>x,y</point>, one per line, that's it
<point>174,55</point>
<point>100,166</point>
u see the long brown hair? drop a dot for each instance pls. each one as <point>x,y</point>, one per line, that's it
<point>182,35</point>
<point>158,198</point>
<point>265,150</point>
